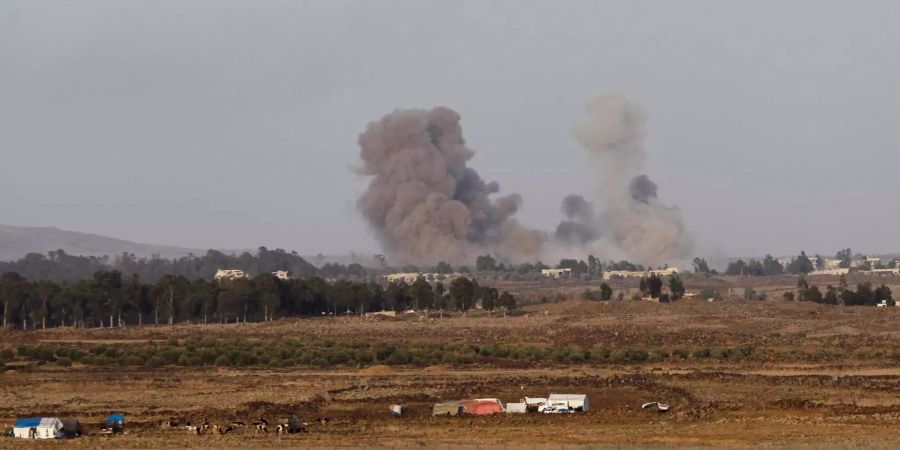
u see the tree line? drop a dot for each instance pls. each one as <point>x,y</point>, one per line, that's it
<point>842,294</point>
<point>60,267</point>
<point>109,299</point>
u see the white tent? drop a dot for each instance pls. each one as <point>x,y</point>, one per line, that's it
<point>571,401</point>
<point>516,408</point>
<point>38,428</point>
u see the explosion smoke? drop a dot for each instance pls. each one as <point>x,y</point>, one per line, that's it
<point>425,204</point>
<point>642,189</point>
<point>634,219</point>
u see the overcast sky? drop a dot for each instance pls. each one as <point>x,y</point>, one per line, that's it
<point>773,125</point>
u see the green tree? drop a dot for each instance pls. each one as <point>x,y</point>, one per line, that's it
<point>44,292</point>
<point>109,288</point>
<point>422,293</point>
<point>700,266</point>
<point>676,287</point>
<point>771,266</point>
<point>606,292</point>
<point>485,263</point>
<point>507,301</point>
<point>14,292</point>
<point>443,268</point>
<point>800,264</point>
<point>268,294</point>
<point>489,298</point>
<point>463,293</point>
<point>831,296</point>
<point>654,285</point>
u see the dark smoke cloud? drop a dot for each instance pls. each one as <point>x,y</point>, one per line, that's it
<point>633,219</point>
<point>574,206</point>
<point>642,189</point>
<point>425,204</point>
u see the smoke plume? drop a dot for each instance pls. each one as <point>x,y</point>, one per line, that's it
<point>425,204</point>
<point>633,218</point>
<point>642,189</point>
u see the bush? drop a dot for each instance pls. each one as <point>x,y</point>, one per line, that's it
<point>7,353</point>
<point>64,361</point>
<point>702,353</point>
<point>132,360</point>
<point>155,361</point>
<point>680,353</point>
<point>222,360</point>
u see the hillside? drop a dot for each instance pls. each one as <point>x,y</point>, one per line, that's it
<point>16,242</point>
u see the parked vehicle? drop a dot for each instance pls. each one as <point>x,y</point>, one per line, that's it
<point>114,424</point>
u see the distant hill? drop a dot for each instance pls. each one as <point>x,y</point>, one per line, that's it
<point>16,242</point>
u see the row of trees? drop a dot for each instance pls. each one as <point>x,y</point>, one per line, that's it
<point>653,286</point>
<point>109,299</point>
<point>60,267</point>
<point>802,264</point>
<point>864,294</point>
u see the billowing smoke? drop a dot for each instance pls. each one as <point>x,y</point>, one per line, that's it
<point>575,206</point>
<point>642,189</point>
<point>633,218</point>
<point>425,204</point>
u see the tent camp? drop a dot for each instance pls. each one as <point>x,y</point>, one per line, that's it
<point>449,409</point>
<point>574,402</point>
<point>38,428</point>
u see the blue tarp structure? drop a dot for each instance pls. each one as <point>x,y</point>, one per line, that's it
<point>116,418</point>
<point>31,422</point>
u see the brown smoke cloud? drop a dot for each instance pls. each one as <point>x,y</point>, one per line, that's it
<point>633,219</point>
<point>425,204</point>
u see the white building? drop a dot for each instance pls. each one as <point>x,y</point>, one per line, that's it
<point>230,274</point>
<point>281,274</point>
<point>638,274</point>
<point>831,264</point>
<point>835,271</point>
<point>406,277</point>
<point>556,273</point>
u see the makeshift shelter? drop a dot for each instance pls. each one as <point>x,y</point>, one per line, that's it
<point>533,403</point>
<point>481,407</point>
<point>516,407</point>
<point>574,402</point>
<point>72,428</point>
<point>448,409</point>
<point>38,428</point>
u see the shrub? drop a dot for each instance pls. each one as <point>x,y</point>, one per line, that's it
<point>680,353</point>
<point>636,355</point>
<point>222,360</point>
<point>702,352</point>
<point>64,361</point>
<point>133,360</point>
<point>155,361</point>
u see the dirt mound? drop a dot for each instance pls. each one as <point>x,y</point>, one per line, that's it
<point>436,369</point>
<point>377,370</point>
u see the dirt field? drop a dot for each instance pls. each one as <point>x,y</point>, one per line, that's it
<point>812,377</point>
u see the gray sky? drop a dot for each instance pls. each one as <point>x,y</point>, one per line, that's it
<point>773,125</point>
